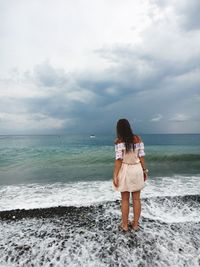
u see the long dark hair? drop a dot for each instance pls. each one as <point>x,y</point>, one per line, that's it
<point>125,133</point>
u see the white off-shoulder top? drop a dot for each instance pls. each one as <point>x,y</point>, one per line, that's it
<point>120,148</point>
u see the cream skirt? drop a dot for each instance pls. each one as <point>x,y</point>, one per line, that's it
<point>131,178</point>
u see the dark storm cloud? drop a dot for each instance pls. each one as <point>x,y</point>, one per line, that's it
<point>48,76</point>
<point>137,87</point>
<point>152,83</point>
<point>188,12</point>
<point>191,20</point>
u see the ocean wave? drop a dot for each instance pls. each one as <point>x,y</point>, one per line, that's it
<point>98,156</point>
<point>168,209</point>
<point>29,196</point>
<point>176,209</point>
<point>173,157</point>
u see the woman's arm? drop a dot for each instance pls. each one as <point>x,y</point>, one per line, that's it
<point>141,156</point>
<point>142,161</point>
<point>119,151</point>
<point>118,163</point>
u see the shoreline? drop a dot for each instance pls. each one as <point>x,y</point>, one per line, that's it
<point>60,211</point>
<point>89,236</point>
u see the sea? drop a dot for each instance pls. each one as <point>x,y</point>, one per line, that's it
<point>58,206</point>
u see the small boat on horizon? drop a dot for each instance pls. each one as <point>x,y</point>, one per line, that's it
<point>92,136</point>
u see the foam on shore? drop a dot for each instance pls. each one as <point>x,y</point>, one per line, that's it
<point>29,196</point>
<point>89,236</point>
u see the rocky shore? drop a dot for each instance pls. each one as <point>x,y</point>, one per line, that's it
<point>59,211</point>
<point>89,236</point>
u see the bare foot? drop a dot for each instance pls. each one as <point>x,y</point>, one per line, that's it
<point>123,227</point>
<point>135,226</point>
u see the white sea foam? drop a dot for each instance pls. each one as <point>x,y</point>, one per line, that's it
<point>172,211</point>
<point>172,186</point>
<point>57,194</point>
<point>170,238</point>
<point>53,242</point>
<point>87,193</point>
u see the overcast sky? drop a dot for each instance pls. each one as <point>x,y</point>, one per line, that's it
<point>77,66</point>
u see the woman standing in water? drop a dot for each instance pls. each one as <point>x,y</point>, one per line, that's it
<point>130,172</point>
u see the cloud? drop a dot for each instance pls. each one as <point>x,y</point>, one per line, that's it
<point>156,118</point>
<point>47,76</point>
<point>90,74</point>
<point>191,14</point>
<point>187,12</point>
<point>179,118</point>
<point>30,123</point>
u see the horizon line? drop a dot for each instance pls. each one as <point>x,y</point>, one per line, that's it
<point>80,134</point>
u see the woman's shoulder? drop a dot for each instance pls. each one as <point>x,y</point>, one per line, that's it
<point>118,141</point>
<point>137,138</point>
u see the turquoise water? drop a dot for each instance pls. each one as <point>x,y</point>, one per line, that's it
<point>67,158</point>
<point>76,171</point>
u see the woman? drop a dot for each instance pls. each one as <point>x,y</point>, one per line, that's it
<point>130,172</point>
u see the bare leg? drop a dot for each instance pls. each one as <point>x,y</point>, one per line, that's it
<point>136,208</point>
<point>125,209</point>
